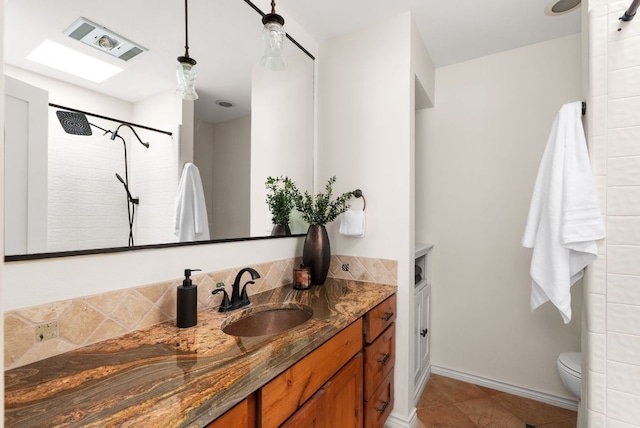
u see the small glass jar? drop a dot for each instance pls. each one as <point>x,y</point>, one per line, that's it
<point>302,278</point>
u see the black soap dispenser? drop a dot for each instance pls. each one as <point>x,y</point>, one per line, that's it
<point>187,301</point>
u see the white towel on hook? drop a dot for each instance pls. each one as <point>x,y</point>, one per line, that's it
<point>352,223</point>
<point>564,217</point>
<point>191,222</point>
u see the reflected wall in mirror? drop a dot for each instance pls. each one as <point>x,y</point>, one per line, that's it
<point>268,131</point>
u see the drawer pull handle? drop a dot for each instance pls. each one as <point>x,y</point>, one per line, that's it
<point>387,316</point>
<point>383,408</point>
<point>424,332</point>
<point>384,359</point>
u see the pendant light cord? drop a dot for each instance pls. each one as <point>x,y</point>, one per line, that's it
<point>273,6</point>
<point>186,29</point>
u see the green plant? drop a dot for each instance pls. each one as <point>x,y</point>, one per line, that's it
<point>320,210</point>
<point>281,196</point>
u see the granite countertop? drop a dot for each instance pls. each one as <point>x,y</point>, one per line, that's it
<point>164,376</point>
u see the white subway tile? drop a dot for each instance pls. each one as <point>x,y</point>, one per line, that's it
<point>623,112</point>
<point>598,8</point>
<point>624,53</point>
<point>598,76</point>
<point>623,289</point>
<point>598,35</point>
<point>600,184</point>
<point>623,260</point>
<point>596,306</point>
<point>597,116</point>
<point>623,200</point>
<point>597,347</point>
<point>597,276</point>
<point>596,420</point>
<point>624,83</point>
<point>597,388</point>
<point>623,318</point>
<point>623,230</point>
<point>623,377</point>
<point>613,423</point>
<point>598,154</point>
<point>623,142</point>
<point>623,348</point>
<point>623,407</point>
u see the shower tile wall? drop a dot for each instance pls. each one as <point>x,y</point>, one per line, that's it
<point>87,207</point>
<point>87,204</point>
<point>613,286</point>
<point>35,333</point>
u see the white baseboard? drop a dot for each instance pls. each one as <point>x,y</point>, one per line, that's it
<point>394,421</point>
<point>554,400</point>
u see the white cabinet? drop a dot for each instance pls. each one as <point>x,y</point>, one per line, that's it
<point>422,300</point>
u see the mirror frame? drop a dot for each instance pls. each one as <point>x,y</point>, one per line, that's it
<point>39,256</point>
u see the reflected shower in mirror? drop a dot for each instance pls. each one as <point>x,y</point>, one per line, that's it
<point>248,123</point>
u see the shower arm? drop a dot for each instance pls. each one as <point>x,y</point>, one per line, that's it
<point>631,12</point>
<point>115,134</point>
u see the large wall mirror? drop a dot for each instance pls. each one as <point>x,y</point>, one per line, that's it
<point>70,194</point>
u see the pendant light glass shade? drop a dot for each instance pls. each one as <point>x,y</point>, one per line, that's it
<point>273,38</point>
<point>186,74</point>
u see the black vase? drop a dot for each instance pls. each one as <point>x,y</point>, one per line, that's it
<point>281,230</point>
<point>316,253</point>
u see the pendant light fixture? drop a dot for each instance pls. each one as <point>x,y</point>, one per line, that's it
<point>273,38</point>
<point>186,72</point>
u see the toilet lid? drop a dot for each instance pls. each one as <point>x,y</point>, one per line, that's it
<point>572,361</point>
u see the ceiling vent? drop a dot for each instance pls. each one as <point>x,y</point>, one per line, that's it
<point>99,37</point>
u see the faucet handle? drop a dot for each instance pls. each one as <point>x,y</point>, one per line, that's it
<point>244,297</point>
<point>225,305</point>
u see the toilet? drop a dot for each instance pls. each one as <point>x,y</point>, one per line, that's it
<point>570,369</point>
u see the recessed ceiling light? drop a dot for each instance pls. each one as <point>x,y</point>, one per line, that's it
<point>223,103</point>
<point>559,7</point>
<point>62,58</point>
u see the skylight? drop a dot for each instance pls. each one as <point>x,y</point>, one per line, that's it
<point>62,58</point>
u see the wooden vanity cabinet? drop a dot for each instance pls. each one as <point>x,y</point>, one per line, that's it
<point>242,415</point>
<point>284,395</point>
<point>379,350</point>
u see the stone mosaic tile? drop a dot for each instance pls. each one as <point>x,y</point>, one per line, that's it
<point>92,319</point>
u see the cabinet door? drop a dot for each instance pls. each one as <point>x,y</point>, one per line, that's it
<point>417,361</point>
<point>344,396</point>
<point>313,414</point>
<point>425,332</point>
<point>240,416</point>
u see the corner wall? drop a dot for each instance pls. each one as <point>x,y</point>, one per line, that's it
<point>612,372</point>
<point>477,156</point>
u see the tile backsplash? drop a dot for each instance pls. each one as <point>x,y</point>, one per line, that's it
<point>39,332</point>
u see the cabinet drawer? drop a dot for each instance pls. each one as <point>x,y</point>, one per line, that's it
<point>377,409</point>
<point>281,397</point>
<point>240,416</point>
<point>379,318</point>
<point>379,360</point>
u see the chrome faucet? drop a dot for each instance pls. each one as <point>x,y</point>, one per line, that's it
<point>238,299</point>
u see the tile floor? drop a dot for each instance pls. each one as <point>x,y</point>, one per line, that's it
<point>449,403</point>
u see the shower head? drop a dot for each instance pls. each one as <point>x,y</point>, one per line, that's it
<point>126,188</point>
<point>74,123</point>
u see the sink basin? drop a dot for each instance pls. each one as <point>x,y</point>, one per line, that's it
<point>266,319</point>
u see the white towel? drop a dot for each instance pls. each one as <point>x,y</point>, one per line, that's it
<point>564,218</point>
<point>191,222</point>
<point>352,223</point>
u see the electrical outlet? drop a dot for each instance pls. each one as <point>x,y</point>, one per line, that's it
<point>220,284</point>
<point>345,267</point>
<point>46,331</point>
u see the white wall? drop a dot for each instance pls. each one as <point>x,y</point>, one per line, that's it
<point>612,364</point>
<point>2,210</point>
<point>365,110</point>
<point>283,146</point>
<point>226,149</point>
<point>477,155</point>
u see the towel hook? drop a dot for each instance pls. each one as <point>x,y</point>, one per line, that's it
<point>358,194</point>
